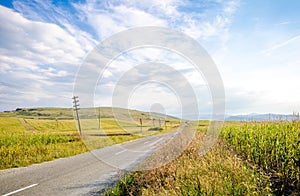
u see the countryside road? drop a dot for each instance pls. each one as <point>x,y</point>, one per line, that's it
<point>84,174</point>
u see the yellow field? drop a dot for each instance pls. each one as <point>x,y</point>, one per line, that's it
<point>27,141</point>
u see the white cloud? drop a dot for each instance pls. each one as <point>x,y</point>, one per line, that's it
<point>43,44</point>
<point>45,11</point>
<point>111,19</point>
<point>210,23</point>
<point>36,56</point>
<point>40,43</point>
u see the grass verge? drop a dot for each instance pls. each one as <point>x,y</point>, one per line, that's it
<point>219,172</point>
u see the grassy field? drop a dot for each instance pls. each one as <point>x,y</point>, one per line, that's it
<point>21,147</point>
<point>249,159</point>
<point>30,136</point>
<point>111,126</point>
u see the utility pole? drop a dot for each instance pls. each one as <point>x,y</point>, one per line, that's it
<point>141,122</point>
<point>76,104</point>
<point>99,119</point>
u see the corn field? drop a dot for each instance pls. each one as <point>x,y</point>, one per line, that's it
<point>272,147</point>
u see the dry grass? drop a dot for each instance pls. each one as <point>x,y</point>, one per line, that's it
<point>219,172</point>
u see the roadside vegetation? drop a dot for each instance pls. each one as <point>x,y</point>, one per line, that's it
<point>249,159</point>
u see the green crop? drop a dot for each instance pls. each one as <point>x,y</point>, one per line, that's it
<point>273,147</point>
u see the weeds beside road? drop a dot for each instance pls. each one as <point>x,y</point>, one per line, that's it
<point>249,159</point>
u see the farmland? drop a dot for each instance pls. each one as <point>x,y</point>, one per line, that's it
<point>21,147</point>
<point>42,134</point>
<point>271,147</point>
<point>258,158</point>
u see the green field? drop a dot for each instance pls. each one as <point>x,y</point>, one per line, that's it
<point>249,159</point>
<point>42,134</point>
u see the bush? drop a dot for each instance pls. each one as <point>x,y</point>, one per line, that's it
<point>155,129</point>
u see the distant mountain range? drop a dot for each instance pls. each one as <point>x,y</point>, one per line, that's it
<point>263,117</point>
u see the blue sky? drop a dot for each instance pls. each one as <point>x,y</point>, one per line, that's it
<point>255,45</point>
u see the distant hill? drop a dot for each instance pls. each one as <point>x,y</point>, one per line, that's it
<point>43,113</point>
<point>67,113</point>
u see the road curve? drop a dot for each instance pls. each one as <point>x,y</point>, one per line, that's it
<point>84,174</point>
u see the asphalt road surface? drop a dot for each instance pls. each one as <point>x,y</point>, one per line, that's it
<point>84,174</point>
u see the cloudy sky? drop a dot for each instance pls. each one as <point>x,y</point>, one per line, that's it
<point>254,44</point>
